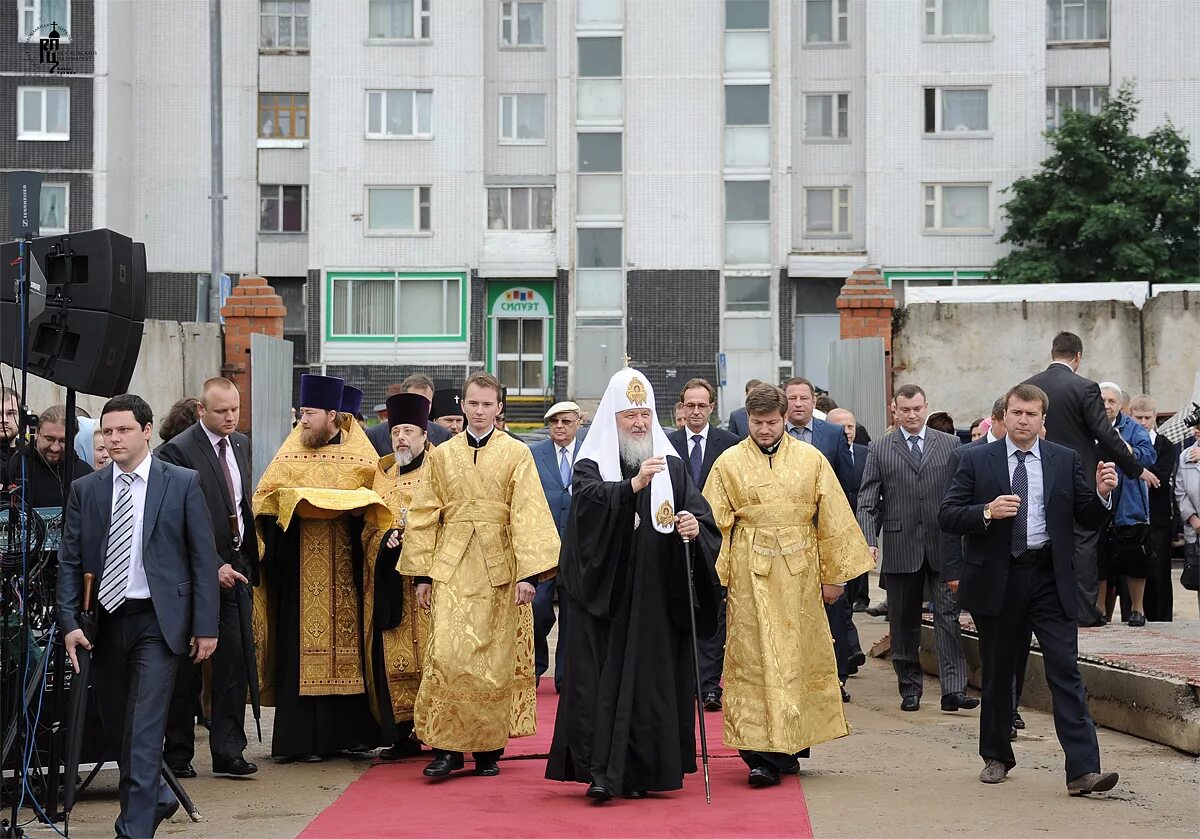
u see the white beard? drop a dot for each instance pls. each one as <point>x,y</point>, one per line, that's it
<point>404,458</point>
<point>634,452</point>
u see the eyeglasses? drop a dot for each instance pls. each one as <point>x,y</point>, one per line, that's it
<point>696,406</point>
<point>562,420</point>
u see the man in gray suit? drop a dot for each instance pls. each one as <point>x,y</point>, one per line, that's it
<point>142,527</point>
<point>903,484</point>
<point>739,425</point>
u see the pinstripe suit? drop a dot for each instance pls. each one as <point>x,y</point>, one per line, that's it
<point>900,496</point>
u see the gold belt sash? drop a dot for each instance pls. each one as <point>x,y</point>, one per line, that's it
<point>475,518</point>
<point>778,530</point>
<point>475,510</point>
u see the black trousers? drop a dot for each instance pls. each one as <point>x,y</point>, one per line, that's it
<point>1031,599</point>
<point>227,739</point>
<point>1087,573</point>
<point>134,671</point>
<point>859,590</point>
<point>543,621</point>
<point>1159,599</point>
<point>839,613</point>
<point>712,651</point>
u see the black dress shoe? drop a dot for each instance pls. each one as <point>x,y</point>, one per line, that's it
<point>845,696</point>
<point>958,701</point>
<point>860,605</point>
<point>443,765</point>
<point>1137,619</point>
<point>599,793</point>
<point>399,751</point>
<point>185,771</point>
<point>761,776</point>
<point>712,701</point>
<point>857,659</point>
<point>910,703</point>
<point>1098,622</point>
<point>487,768</point>
<point>879,611</point>
<point>1017,721</point>
<point>238,766</point>
<point>1012,733</point>
<point>634,794</point>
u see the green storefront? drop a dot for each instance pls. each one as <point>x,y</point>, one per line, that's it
<point>519,338</point>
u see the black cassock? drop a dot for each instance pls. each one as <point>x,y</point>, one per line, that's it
<point>626,711</point>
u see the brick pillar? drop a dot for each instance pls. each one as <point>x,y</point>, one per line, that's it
<point>866,305</point>
<point>252,307</point>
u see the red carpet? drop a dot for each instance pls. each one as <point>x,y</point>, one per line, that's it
<point>396,800</point>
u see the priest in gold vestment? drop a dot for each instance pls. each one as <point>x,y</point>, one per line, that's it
<point>309,510</point>
<point>481,537</point>
<point>790,541</point>
<point>394,629</point>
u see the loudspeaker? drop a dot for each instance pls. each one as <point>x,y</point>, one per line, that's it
<point>89,334</point>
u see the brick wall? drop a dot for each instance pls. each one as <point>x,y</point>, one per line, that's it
<point>254,307</point>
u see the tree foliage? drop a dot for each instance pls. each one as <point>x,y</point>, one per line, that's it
<point>1108,205</point>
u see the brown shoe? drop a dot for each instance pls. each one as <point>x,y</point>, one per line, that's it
<point>1092,782</point>
<point>994,772</point>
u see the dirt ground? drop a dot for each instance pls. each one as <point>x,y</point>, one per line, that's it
<point>898,775</point>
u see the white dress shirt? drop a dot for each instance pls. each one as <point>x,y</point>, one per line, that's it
<point>991,437</point>
<point>691,444</point>
<point>1035,530</point>
<point>234,473</point>
<point>138,588</point>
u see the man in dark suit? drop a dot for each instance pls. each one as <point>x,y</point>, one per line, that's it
<point>1015,499</point>
<point>905,480</point>
<point>830,439</point>
<point>699,445</point>
<point>1076,419</point>
<point>141,526</point>
<point>1159,601</point>
<point>739,423</point>
<point>379,434</point>
<point>858,589</point>
<point>555,460</point>
<point>220,455</point>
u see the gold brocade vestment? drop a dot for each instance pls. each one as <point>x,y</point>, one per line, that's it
<point>404,644</point>
<point>787,529</point>
<point>477,526</point>
<point>319,487</point>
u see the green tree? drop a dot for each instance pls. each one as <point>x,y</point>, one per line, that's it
<point>1107,205</point>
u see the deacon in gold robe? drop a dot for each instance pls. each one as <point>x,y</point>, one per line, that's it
<point>394,629</point>
<point>790,541</point>
<point>480,533</point>
<point>309,510</point>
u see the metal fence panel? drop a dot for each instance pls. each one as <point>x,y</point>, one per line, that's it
<point>270,399</point>
<point>858,381</point>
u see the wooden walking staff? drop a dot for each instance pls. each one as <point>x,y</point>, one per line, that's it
<point>687,557</point>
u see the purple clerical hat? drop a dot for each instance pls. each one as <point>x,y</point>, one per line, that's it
<point>351,400</point>
<point>408,409</point>
<point>321,392</point>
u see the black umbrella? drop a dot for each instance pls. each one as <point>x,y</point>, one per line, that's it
<point>245,604</point>
<point>77,701</point>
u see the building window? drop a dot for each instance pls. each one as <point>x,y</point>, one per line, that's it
<point>399,20</point>
<point>599,93</point>
<point>953,110</point>
<point>598,247</point>
<point>523,24</point>
<point>44,113</point>
<point>282,209</point>
<point>405,114</point>
<point>283,116</point>
<point>599,13</point>
<point>950,18</point>
<point>957,208</point>
<point>395,210</point>
<point>748,104</point>
<point>52,216</point>
<point>751,293</point>
<point>747,222</point>
<point>521,208</point>
<point>1087,100</point>
<point>38,13</point>
<point>826,116</point>
<point>283,25</point>
<point>826,22</point>
<point>827,212</point>
<point>396,306</point>
<point>747,14</point>
<point>1076,20</point>
<point>523,118</point>
<point>599,152</point>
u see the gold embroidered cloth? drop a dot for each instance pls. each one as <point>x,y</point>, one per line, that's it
<point>787,528</point>
<point>318,487</point>
<point>404,644</point>
<point>477,529</point>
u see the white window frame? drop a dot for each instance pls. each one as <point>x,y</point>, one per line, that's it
<point>397,280</point>
<point>279,197</point>
<point>66,211</point>
<point>41,135</point>
<point>293,15</point>
<point>510,15</point>
<point>748,314</point>
<point>422,25</point>
<point>33,9</point>
<point>839,31</point>
<point>938,129</point>
<point>840,198</point>
<point>510,100</point>
<point>1097,94</point>
<point>936,203</point>
<point>507,189</point>
<point>417,134</point>
<point>421,197</point>
<point>839,99</point>
<point>932,14</point>
<point>1063,5</point>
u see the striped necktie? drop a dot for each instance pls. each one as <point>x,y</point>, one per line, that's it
<point>115,578</point>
